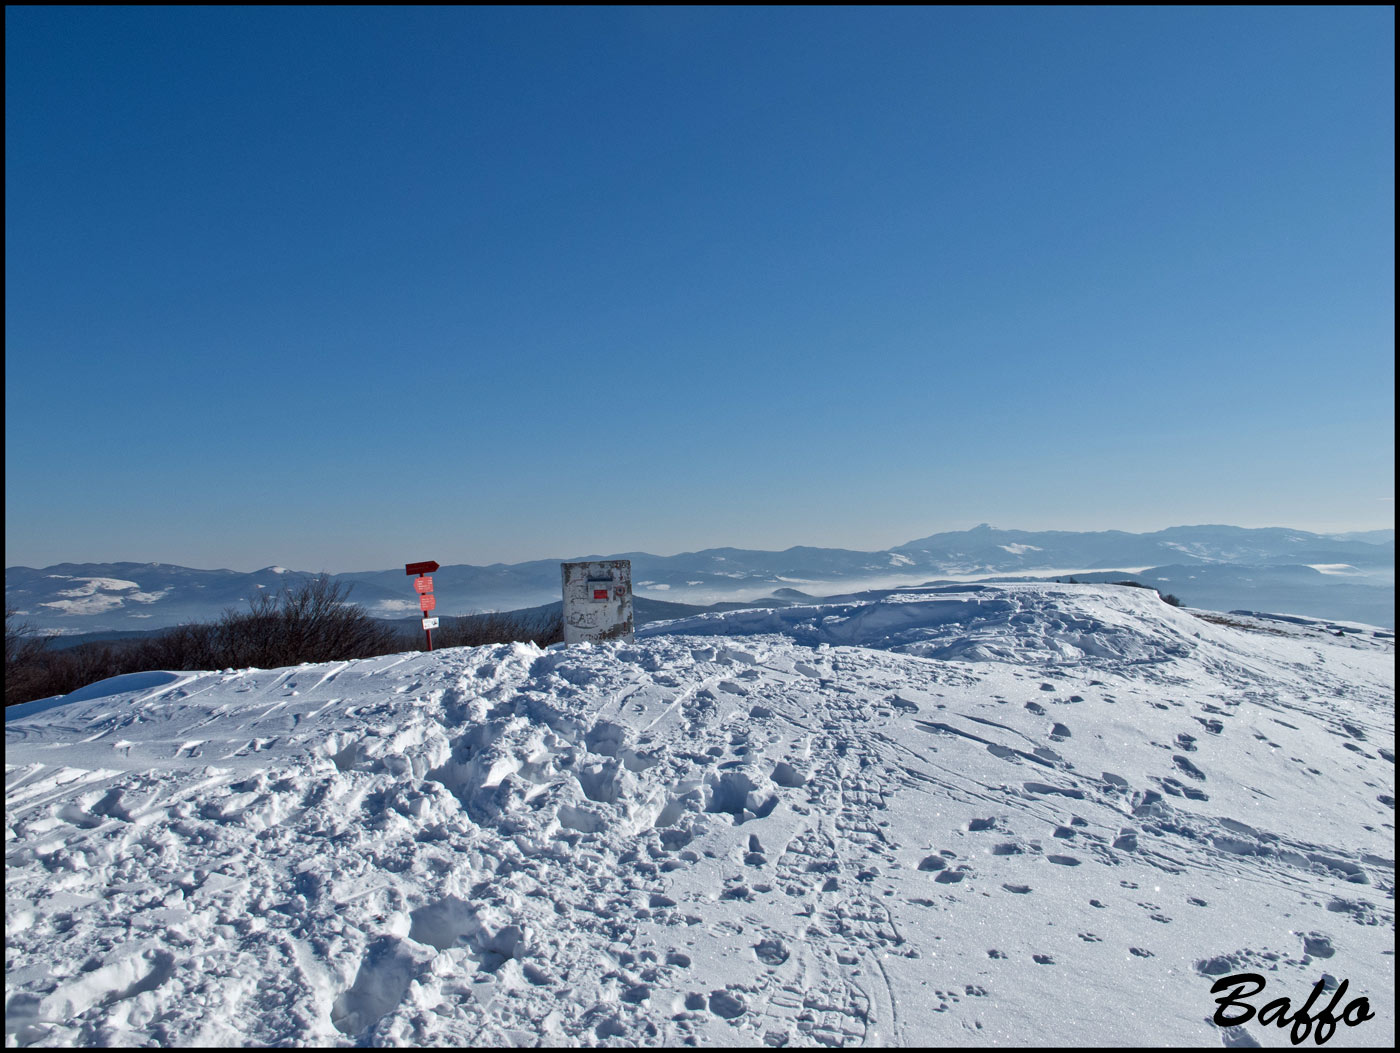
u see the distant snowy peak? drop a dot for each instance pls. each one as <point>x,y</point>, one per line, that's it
<point>999,550</point>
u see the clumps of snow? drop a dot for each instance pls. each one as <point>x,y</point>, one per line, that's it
<point>1020,550</point>
<point>742,830</point>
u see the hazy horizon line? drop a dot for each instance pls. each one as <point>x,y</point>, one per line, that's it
<point>711,548</point>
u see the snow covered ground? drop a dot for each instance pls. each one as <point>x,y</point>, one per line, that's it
<point>1034,814</point>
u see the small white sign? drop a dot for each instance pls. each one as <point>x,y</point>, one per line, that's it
<point>430,623</point>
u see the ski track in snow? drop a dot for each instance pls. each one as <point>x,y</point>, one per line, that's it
<point>1014,814</point>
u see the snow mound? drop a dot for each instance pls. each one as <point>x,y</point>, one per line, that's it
<point>1060,624</point>
<point>715,835</point>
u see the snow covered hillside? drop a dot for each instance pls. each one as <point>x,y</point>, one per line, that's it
<point>1219,567</point>
<point>1035,814</point>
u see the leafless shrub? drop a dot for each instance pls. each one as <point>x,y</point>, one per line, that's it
<point>476,630</point>
<point>24,650</point>
<point>46,672</point>
<point>188,647</point>
<point>311,623</point>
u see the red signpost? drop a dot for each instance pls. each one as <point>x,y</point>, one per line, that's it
<point>423,585</point>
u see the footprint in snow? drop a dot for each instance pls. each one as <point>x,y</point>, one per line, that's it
<point>1236,1037</point>
<point>611,1027</point>
<point>1190,769</point>
<point>1318,945</point>
<point>785,775</point>
<point>771,952</point>
<point>726,1004</point>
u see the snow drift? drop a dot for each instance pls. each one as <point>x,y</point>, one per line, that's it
<point>1030,814</point>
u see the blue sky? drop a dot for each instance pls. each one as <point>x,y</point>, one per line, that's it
<point>343,288</point>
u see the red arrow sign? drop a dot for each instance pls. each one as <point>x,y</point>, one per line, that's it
<point>422,568</point>
<point>427,601</point>
<point>423,584</point>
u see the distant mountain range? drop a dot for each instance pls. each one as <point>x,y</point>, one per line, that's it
<point>1340,576</point>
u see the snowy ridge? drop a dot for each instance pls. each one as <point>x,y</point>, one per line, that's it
<point>919,818</point>
<point>1207,566</point>
<point>974,623</point>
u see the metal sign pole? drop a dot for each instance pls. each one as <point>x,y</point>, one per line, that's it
<point>424,587</point>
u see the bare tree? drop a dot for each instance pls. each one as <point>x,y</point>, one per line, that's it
<point>25,649</point>
<point>312,622</point>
